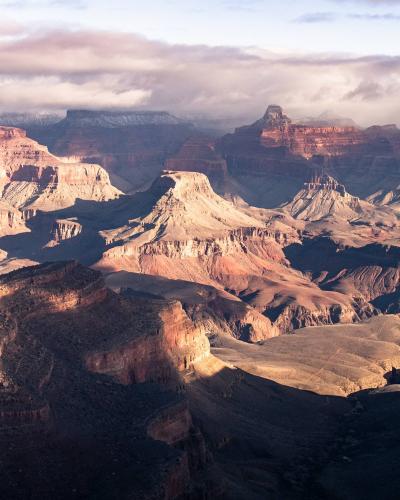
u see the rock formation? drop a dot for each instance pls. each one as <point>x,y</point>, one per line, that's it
<point>190,233</point>
<point>212,310</point>
<point>323,197</point>
<point>70,350</point>
<point>275,130</point>
<point>273,157</point>
<point>130,145</point>
<point>32,178</point>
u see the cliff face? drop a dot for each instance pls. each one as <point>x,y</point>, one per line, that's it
<point>64,229</point>
<point>32,178</point>
<point>67,344</point>
<point>198,154</point>
<point>275,130</point>
<point>215,312</point>
<point>271,159</point>
<point>130,146</point>
<point>174,346</point>
<point>313,141</point>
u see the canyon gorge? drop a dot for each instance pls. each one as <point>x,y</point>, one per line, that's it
<point>192,316</point>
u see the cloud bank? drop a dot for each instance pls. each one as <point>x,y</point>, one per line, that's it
<point>68,69</point>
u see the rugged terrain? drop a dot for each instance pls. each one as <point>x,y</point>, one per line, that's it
<point>273,157</point>
<point>277,228</point>
<point>82,375</point>
<point>129,379</point>
<point>32,178</point>
<point>131,146</point>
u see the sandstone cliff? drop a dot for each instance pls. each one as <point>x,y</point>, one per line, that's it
<point>32,178</point>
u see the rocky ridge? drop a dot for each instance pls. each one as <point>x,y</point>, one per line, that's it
<point>48,336</point>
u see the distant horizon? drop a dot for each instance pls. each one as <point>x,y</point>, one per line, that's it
<point>241,120</point>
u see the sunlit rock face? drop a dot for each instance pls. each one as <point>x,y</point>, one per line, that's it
<point>276,130</point>
<point>32,178</point>
<point>323,196</point>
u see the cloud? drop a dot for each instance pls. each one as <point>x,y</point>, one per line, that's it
<point>373,3</point>
<point>24,4</point>
<point>375,17</point>
<point>330,17</point>
<point>316,17</point>
<point>366,91</point>
<point>10,28</point>
<point>64,69</point>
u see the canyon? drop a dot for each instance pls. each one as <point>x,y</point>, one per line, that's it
<point>210,317</point>
<point>130,378</point>
<point>131,146</point>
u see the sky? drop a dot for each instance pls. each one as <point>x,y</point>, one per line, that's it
<point>217,58</point>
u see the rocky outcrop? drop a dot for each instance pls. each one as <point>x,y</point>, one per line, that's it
<point>64,229</point>
<point>276,130</point>
<point>66,345</point>
<point>12,220</point>
<point>215,312</point>
<point>271,159</point>
<point>293,317</point>
<point>234,250</point>
<point>174,345</point>
<point>323,197</point>
<point>32,178</point>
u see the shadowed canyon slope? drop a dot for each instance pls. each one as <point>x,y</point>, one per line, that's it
<point>128,378</point>
<point>82,372</point>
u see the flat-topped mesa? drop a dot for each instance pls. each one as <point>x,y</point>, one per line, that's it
<point>184,218</point>
<point>189,232</point>
<point>11,133</point>
<point>183,185</point>
<point>186,207</point>
<point>112,119</point>
<point>31,177</point>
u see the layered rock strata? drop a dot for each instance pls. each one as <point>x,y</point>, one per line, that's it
<point>32,178</point>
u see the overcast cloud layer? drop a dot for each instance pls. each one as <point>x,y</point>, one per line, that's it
<point>60,69</point>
